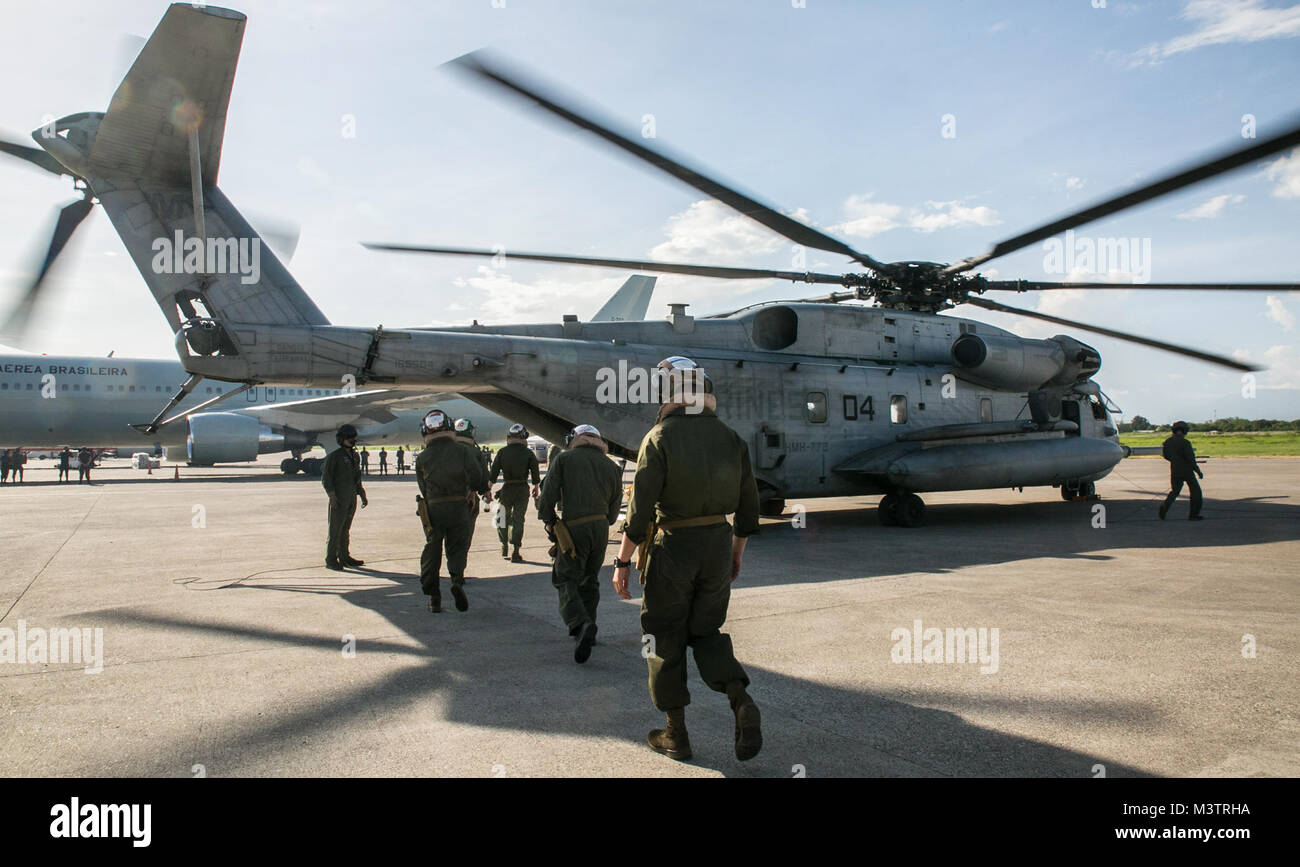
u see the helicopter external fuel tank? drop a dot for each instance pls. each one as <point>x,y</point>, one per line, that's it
<point>1020,364</point>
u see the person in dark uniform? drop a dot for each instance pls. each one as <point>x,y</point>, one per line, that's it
<point>464,429</point>
<point>450,476</point>
<point>383,462</point>
<point>341,476</point>
<point>365,461</point>
<point>691,472</point>
<point>1182,470</point>
<point>584,483</point>
<point>85,462</point>
<point>65,464</point>
<point>401,461</point>
<point>516,463</point>
<point>17,463</point>
<point>4,466</point>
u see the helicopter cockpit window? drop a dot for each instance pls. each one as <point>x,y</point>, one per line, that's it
<point>898,408</point>
<point>816,407</point>
<point>1098,410</point>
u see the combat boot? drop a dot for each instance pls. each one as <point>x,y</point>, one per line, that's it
<point>515,556</point>
<point>749,735</point>
<point>333,565</point>
<point>672,741</point>
<point>458,593</point>
<point>505,551</point>
<point>435,604</point>
<point>351,561</point>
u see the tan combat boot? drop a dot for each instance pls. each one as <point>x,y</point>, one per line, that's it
<point>672,741</point>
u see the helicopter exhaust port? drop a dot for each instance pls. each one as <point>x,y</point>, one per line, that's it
<point>1020,364</point>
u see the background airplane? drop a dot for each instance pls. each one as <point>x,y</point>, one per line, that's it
<point>52,401</point>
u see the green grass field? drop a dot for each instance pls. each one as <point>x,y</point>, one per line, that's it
<point>1240,445</point>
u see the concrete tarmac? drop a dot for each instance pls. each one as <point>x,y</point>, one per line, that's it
<point>1140,647</point>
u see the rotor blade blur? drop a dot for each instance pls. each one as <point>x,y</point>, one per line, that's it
<point>1119,335</point>
<point>282,235</point>
<point>70,217</point>
<point>35,156</point>
<point>1037,285</point>
<point>1224,162</point>
<point>792,229</point>
<point>625,264</point>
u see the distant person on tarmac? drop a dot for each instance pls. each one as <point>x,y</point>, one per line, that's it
<point>365,462</point>
<point>1182,470</point>
<point>341,476</point>
<point>65,464</point>
<point>85,460</point>
<point>401,461</point>
<point>383,462</point>
<point>4,466</point>
<point>16,465</point>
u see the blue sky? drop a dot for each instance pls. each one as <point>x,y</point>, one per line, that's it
<point>833,111</point>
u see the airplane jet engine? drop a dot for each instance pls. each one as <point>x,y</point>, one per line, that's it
<point>1020,364</point>
<point>228,437</point>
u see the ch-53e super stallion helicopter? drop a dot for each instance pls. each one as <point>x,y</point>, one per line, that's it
<point>834,400</point>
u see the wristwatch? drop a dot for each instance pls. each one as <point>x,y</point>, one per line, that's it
<point>621,564</point>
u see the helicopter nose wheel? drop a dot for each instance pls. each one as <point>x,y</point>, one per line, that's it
<point>901,510</point>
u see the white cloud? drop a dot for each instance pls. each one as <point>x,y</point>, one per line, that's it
<point>708,231</point>
<point>951,214</point>
<point>1210,209</point>
<point>1073,183</point>
<point>501,298</point>
<point>1286,171</point>
<point>1223,21</point>
<point>1278,313</point>
<point>866,218</point>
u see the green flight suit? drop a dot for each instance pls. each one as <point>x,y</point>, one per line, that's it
<point>582,482</point>
<point>515,464</point>
<point>341,476</point>
<point>690,466</point>
<point>1182,470</point>
<point>448,473</point>
<point>468,442</point>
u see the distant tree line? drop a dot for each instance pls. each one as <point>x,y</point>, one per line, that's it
<point>1226,425</point>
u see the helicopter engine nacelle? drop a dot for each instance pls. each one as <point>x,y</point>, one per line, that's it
<point>1019,364</point>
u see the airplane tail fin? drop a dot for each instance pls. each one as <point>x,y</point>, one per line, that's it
<point>630,302</point>
<point>155,154</point>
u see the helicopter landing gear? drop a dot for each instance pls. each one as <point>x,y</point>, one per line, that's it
<point>887,511</point>
<point>1075,491</point>
<point>901,510</point>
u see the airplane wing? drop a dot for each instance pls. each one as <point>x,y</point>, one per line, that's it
<point>630,302</point>
<point>327,413</point>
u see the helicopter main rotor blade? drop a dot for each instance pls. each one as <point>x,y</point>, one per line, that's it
<point>1119,335</point>
<point>35,156</point>
<point>722,272</point>
<point>70,217</point>
<point>1036,285</point>
<point>475,64</point>
<point>1202,171</point>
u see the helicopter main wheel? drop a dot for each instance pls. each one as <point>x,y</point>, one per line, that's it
<point>290,466</point>
<point>1066,493</point>
<point>911,511</point>
<point>1087,490</point>
<point>887,511</point>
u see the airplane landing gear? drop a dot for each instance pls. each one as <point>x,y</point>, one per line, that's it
<point>290,466</point>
